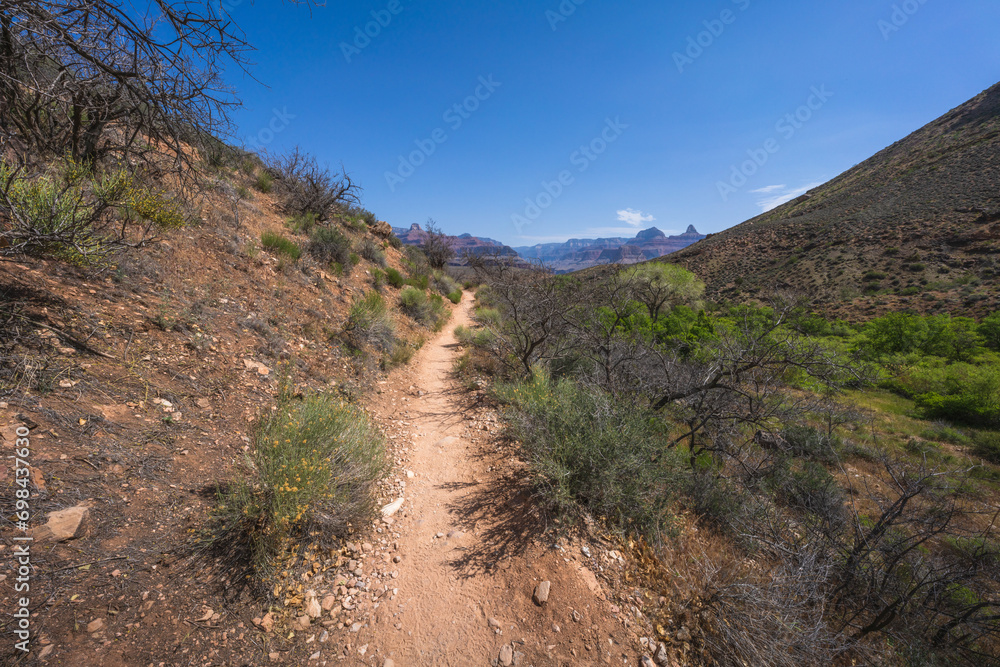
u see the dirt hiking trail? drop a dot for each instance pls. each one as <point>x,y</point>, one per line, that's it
<point>468,549</point>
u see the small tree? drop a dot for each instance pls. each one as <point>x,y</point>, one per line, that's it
<point>437,246</point>
<point>658,285</point>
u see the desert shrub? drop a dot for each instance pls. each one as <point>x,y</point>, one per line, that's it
<point>987,445</point>
<point>395,242</point>
<point>587,451</point>
<point>810,442</point>
<point>420,281</point>
<point>443,283</point>
<point>368,323</point>
<point>371,251</point>
<point>73,215</point>
<point>716,500</point>
<point>304,223</point>
<point>455,297</point>
<point>280,245</point>
<point>413,302</point>
<point>378,279</point>
<point>354,258</point>
<point>309,188</point>
<point>264,181</point>
<point>394,277</point>
<point>329,245</point>
<point>313,472</point>
<point>401,354</point>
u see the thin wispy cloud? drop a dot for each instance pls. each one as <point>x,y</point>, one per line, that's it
<point>630,216</point>
<point>769,189</point>
<point>776,195</point>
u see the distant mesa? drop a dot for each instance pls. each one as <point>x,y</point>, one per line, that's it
<point>462,245</point>
<point>577,254</point>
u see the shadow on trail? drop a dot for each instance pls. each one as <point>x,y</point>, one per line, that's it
<point>507,519</point>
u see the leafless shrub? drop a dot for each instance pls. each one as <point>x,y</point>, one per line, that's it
<point>308,188</point>
<point>533,305</point>
<point>436,246</point>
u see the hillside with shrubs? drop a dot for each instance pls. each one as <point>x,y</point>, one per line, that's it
<point>914,227</point>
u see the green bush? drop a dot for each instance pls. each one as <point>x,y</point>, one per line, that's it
<point>987,446</point>
<point>280,245</point>
<point>368,323</point>
<point>958,392</point>
<point>264,181</point>
<point>72,215</point>
<point>587,451</point>
<point>303,223</point>
<point>329,245</point>
<point>413,302</point>
<point>420,281</point>
<point>394,277</point>
<point>378,278</point>
<point>455,297</point>
<point>989,330</point>
<point>372,252</point>
<point>313,472</point>
<point>809,442</point>
<point>444,284</point>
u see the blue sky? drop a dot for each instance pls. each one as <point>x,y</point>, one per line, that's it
<point>540,120</point>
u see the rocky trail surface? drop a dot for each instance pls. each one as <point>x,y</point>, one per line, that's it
<point>475,578</point>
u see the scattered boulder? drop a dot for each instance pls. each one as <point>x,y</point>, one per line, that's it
<point>96,625</point>
<point>645,661</point>
<point>267,623</point>
<point>506,656</point>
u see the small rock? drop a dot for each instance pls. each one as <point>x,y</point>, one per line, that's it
<point>397,558</point>
<point>204,404</point>
<point>314,656</point>
<point>267,623</point>
<point>64,525</point>
<point>388,663</point>
<point>662,657</point>
<point>576,616</point>
<point>356,627</point>
<point>541,595</point>
<point>303,622</point>
<point>409,474</point>
<point>274,656</point>
<point>683,635</point>
<point>44,653</point>
<point>494,623</point>
<point>313,608</point>
<point>328,602</point>
<point>96,625</point>
<point>645,661</point>
<point>556,628</point>
<point>392,508</point>
<point>506,656</point>
<point>585,550</point>
<point>440,536</point>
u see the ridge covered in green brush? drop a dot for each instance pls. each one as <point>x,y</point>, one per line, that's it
<point>917,227</point>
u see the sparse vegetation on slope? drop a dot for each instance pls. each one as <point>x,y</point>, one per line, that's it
<point>835,501</point>
<point>915,227</point>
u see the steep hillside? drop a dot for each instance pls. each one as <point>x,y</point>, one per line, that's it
<point>916,226</point>
<point>141,386</point>
<point>577,254</point>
